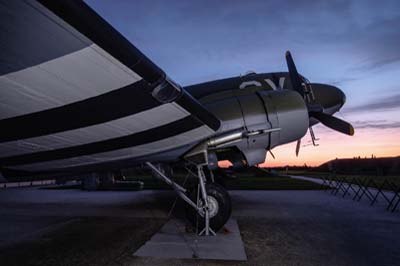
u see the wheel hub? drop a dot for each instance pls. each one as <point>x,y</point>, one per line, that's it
<point>213,206</point>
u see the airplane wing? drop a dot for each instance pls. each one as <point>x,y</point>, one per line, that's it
<point>74,92</point>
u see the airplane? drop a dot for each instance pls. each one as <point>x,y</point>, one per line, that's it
<point>78,98</point>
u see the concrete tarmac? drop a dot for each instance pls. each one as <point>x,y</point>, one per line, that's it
<point>73,227</point>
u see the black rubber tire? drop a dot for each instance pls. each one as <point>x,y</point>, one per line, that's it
<point>224,208</point>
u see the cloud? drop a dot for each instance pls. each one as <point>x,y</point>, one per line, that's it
<point>382,104</point>
<point>340,82</point>
<point>373,64</point>
<point>379,124</point>
<point>379,41</point>
<point>191,40</point>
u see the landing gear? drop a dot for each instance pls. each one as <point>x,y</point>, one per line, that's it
<point>219,206</point>
<point>209,205</point>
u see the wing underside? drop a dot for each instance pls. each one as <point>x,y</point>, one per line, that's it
<point>75,92</point>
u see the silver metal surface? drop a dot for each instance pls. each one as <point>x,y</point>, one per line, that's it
<point>213,206</point>
<point>286,110</point>
<point>202,183</point>
<point>227,138</point>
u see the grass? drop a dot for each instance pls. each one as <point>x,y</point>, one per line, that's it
<point>244,181</point>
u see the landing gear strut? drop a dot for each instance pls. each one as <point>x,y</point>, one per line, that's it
<point>219,208</point>
<point>209,204</point>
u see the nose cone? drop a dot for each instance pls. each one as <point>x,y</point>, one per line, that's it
<point>343,97</point>
<point>330,97</point>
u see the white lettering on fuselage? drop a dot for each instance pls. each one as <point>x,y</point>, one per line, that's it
<point>273,85</point>
<point>249,83</point>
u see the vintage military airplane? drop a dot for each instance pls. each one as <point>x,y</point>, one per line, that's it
<point>77,97</point>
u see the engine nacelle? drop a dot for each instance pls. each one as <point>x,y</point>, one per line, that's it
<point>269,118</point>
<point>286,110</point>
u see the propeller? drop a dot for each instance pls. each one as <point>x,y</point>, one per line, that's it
<point>298,147</point>
<point>315,110</point>
<point>294,75</point>
<point>273,156</point>
<point>333,123</point>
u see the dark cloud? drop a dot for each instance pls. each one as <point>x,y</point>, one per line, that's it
<point>382,104</point>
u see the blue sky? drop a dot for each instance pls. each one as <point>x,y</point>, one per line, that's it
<point>354,45</point>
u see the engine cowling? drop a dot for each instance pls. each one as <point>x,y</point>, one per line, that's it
<point>260,111</point>
<point>287,111</point>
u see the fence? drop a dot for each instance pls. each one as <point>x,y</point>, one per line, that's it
<point>358,188</point>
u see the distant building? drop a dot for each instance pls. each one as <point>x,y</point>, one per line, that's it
<point>372,166</point>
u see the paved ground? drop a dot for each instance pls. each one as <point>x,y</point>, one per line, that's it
<point>72,227</point>
<point>175,241</point>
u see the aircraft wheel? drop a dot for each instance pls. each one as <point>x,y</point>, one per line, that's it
<point>220,207</point>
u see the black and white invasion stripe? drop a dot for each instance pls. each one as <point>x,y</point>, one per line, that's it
<point>75,92</point>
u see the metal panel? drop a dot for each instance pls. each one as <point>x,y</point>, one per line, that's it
<point>255,118</point>
<point>286,110</point>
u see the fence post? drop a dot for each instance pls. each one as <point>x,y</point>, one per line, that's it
<point>349,186</point>
<point>375,198</point>
<point>365,190</point>
<point>396,194</point>
<point>323,186</point>
<point>397,204</point>
<point>359,188</point>
<point>341,184</point>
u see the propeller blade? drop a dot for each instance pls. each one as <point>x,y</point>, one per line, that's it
<point>333,123</point>
<point>294,75</point>
<point>273,156</point>
<point>298,147</point>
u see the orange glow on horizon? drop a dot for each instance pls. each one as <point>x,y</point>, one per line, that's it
<point>365,142</point>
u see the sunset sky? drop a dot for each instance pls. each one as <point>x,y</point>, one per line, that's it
<point>353,45</point>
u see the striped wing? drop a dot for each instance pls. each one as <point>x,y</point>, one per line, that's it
<point>75,92</point>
